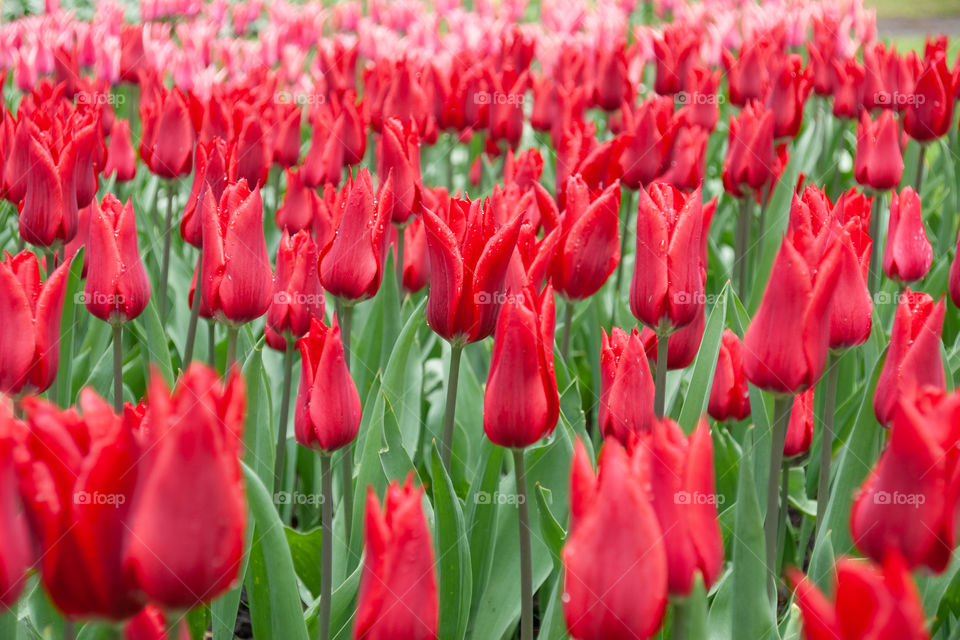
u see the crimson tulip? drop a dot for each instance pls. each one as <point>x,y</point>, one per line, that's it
<point>16,554</point>
<point>953,284</point>
<point>300,204</point>
<point>167,137</point>
<point>286,134</point>
<point>214,170</point>
<point>398,156</point>
<point>822,51</point>
<point>398,590</point>
<point>192,475</point>
<point>750,72</point>
<point>48,209</point>
<point>650,130</point>
<point>848,88</point>
<point>626,386</point>
<point>729,394</point>
<point>87,133</point>
<point>800,426</point>
<point>688,159</point>
<point>751,159</point>
<point>121,157</point>
<point>908,253</point>
<point>250,147</point>
<point>521,404</point>
<point>612,86</point>
<point>297,296</point>
<point>237,282</point>
<point>913,357</point>
<point>929,112</point>
<point>675,50</point>
<point>701,103</point>
<point>416,261</point>
<point>788,95</point>
<point>614,550</point>
<point>879,162</point>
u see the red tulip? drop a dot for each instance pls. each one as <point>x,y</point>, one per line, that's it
<point>913,357</point>
<point>398,589</point>
<point>121,157</point>
<point>30,339</point>
<point>192,475</point>
<point>614,550</point>
<point>667,287</point>
<point>876,603</point>
<point>328,406</point>
<point>688,159</point>
<point>48,210</point>
<point>848,88</point>
<point>676,50</point>
<point>785,346</point>
<point>416,261</point>
<point>750,72</point>
<point>398,157</point>
<point>729,395</point>
<point>788,96</point>
<point>300,204</point>
<point>881,82</point>
<point>751,159</point>
<point>650,131</point>
<point>908,254</point>
<point>909,501</point>
<point>589,248</point>
<point>251,149</point>
<point>521,404</point>
<point>237,282</point>
<point>612,86</point>
<point>77,478</point>
<point>522,169</point>
<point>683,346</point>
<point>683,497</point>
<point>701,103</point>
<point>167,138</point>
<point>286,134</point>
<point>469,256</point>
<point>626,386</point>
<point>297,296</point>
<point>117,288</point>
<point>800,426</point>
<point>929,112</point>
<point>506,114</point>
<point>151,624</point>
<point>214,170</point>
<point>16,553</point>
<point>822,52</point>
<point>879,163</point>
<point>91,151</point>
<point>351,265</point>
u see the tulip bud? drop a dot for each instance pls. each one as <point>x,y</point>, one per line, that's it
<point>848,88</point>
<point>730,394</point>
<point>879,162</point>
<point>930,112</point>
<point>908,254</point>
<point>398,157</point>
<point>751,158</point>
<point>251,151</point>
<point>676,50</point>
<point>300,205</point>
<point>800,426</point>
<point>167,138</point>
<point>286,135</point>
<point>328,406</point>
<point>297,296</point>
<point>121,157</point>
<point>650,130</point>
<point>788,96</point>
<point>398,589</point>
<point>16,553</point>
<point>213,171</point>
<point>48,210</point>
<point>626,386</point>
<point>521,404</point>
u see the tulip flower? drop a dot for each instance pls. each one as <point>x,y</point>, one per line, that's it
<point>750,72</point>
<point>398,157</point>
<point>881,80</point>
<point>192,474</point>
<point>78,476</point>
<point>251,149</point>
<point>880,603</point>
<point>908,503</point>
<point>300,205</point>
<point>929,112</point>
<point>48,210</point>
<point>701,104</point>
<point>90,149</point>
<point>612,85</point>
<point>398,590</point>
<point>822,52</point>
<point>237,282</point>
<point>879,163</point>
<point>729,395</point>
<point>908,253</point>
<point>121,157</point>
<point>751,160</point>
<point>688,159</point>
<point>167,138</point>
<point>675,50</point>
<point>848,88</point>
<point>297,296</point>
<point>16,553</point>
<point>650,131</point>
<point>151,624</point>
<point>286,134</point>
<point>626,386</point>
<point>416,261</point>
<point>788,96</point>
<point>351,265</point>
<point>614,550</point>
<point>30,339</point>
<point>800,427</point>
<point>213,170</point>
<point>913,357</point>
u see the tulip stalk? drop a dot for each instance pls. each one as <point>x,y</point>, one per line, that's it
<point>741,240</point>
<point>212,343</point>
<point>399,265</point>
<point>284,416</point>
<point>449,412</point>
<point>629,204</point>
<point>165,265</point>
<point>660,384</point>
<point>920,162</point>
<point>781,418</point>
<point>826,439</point>
<point>232,332</point>
<point>326,549</point>
<point>345,318</point>
<point>874,273</point>
<point>526,563</point>
<point>567,321</point>
<point>118,368</point>
<point>194,317</point>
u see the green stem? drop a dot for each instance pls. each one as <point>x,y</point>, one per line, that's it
<point>165,268</point>
<point>326,548</point>
<point>920,162</point>
<point>873,275</point>
<point>781,417</point>
<point>625,211</point>
<point>526,562</point>
<point>118,368</point>
<point>740,246</point>
<point>8,623</point>
<point>449,412</point>
<point>231,348</point>
<point>345,318</point>
<point>399,256</point>
<point>69,630</point>
<point>567,321</point>
<point>284,416</point>
<point>660,389</point>
<point>194,316</point>
<point>784,507</point>
<point>212,343</point>
<point>826,439</point>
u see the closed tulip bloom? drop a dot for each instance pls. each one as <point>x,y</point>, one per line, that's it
<point>300,204</point>
<point>521,404</point>
<point>91,151</point>
<point>16,553</point>
<point>468,269</point>
<point>869,603</point>
<point>286,134</point>
<point>785,347</point>
<point>879,162</point>
<point>30,337</point>
<point>612,85</point>
<point>238,283</point>
<point>930,112</point>
<point>683,346</point>
<point>667,286</point>
<point>589,248</point>
<point>151,624</point>
<point>48,210</point>
<point>730,394</point>
<point>788,96</point>
<point>908,503</point>
<point>750,71</point>
<point>614,550</point>
<point>117,288</point>
<point>626,386</point>
<point>121,156</point>
<point>908,254</point>
<point>913,357</point>
<point>214,171</point>
<point>851,314</point>
<point>398,590</point>
<point>188,522</point>
<point>650,130</point>
<point>328,406</point>
<point>167,138</point>
<point>684,499</point>
<point>751,160</point>
<point>251,150</point>
<point>416,261</point>
<point>848,88</point>
<point>297,296</point>
<point>351,265</point>
<point>398,156</point>
<point>688,159</point>
<point>676,50</point>
<point>800,426</point>
<point>78,474</point>
<point>702,106</point>
<point>324,161</point>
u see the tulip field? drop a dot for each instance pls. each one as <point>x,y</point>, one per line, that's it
<point>473,320</point>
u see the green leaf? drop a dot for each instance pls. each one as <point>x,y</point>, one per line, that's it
<point>155,343</point>
<point>275,609</point>
<point>482,514</point>
<point>552,625</point>
<point>690,613</point>
<point>259,438</point>
<point>453,554</point>
<point>698,393</point>
<point>68,328</point>
<point>552,531</point>
<point>305,549</point>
